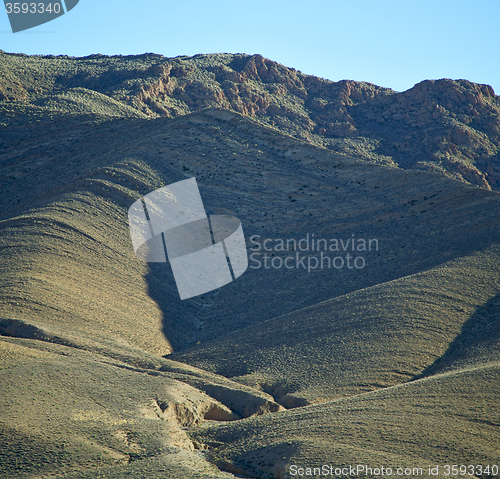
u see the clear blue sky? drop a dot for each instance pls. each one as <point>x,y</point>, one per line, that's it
<point>391,43</point>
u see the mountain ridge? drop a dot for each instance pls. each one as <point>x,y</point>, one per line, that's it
<point>448,126</point>
<point>106,373</point>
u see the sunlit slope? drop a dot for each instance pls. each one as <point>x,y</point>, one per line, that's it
<point>445,419</point>
<point>71,405</point>
<point>81,101</point>
<point>369,339</point>
<point>67,257</point>
<point>68,265</point>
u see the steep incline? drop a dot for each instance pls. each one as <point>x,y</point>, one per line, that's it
<point>447,126</point>
<point>69,262</point>
<point>398,352</point>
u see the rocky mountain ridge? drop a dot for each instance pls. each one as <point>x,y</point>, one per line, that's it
<point>106,373</point>
<point>448,126</point>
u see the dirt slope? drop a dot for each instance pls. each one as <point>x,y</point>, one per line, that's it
<point>393,363</point>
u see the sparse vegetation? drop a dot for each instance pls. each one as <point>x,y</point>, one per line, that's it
<point>105,373</point>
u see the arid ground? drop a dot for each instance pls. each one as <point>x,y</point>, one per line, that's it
<point>391,361</point>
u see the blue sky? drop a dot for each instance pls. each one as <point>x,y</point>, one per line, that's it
<point>390,43</point>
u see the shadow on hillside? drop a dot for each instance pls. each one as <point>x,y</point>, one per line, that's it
<point>479,341</point>
<point>178,317</point>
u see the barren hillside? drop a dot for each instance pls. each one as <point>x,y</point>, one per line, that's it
<point>106,373</point>
<point>447,126</point>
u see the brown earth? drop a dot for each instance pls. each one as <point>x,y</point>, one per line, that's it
<point>106,373</point>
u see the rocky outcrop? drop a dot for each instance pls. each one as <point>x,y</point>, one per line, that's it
<point>448,126</point>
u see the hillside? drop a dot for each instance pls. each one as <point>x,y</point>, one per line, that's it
<point>106,373</point>
<point>446,126</point>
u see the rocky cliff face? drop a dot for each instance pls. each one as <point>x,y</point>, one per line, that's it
<point>448,126</point>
